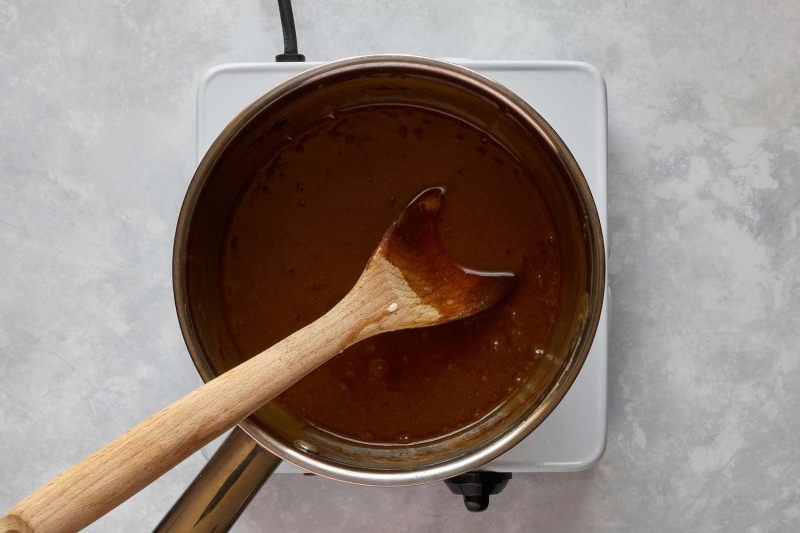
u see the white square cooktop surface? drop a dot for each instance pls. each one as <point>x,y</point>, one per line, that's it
<point>572,98</point>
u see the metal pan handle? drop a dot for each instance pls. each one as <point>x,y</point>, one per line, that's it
<point>223,489</point>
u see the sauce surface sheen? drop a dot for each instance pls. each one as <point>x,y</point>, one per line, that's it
<point>313,215</point>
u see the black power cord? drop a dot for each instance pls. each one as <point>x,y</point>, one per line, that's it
<point>289,35</point>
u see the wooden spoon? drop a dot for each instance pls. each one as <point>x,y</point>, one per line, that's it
<point>409,282</point>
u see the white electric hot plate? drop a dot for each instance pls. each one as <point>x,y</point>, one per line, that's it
<point>572,98</point>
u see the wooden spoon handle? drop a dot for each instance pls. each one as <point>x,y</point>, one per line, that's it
<point>85,492</point>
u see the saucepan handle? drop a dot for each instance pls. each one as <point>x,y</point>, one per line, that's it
<point>223,489</point>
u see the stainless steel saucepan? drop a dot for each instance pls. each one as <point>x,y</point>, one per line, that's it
<point>253,450</point>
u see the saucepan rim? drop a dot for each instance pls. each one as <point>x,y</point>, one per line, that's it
<point>593,233</point>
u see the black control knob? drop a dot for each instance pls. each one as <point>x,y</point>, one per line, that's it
<point>476,487</point>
